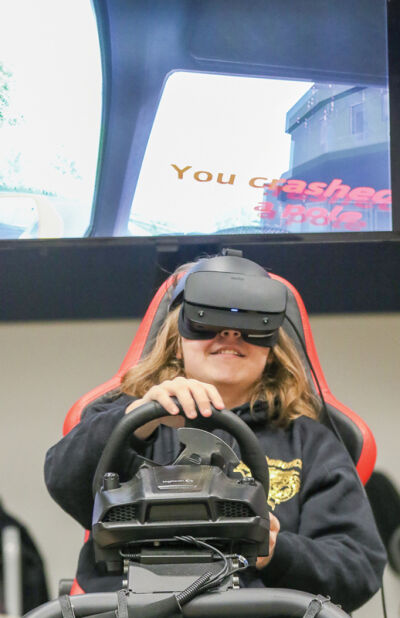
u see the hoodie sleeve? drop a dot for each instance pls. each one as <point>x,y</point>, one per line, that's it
<point>71,463</point>
<point>337,551</point>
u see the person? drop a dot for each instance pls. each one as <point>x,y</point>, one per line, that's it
<point>323,536</point>
<point>34,590</point>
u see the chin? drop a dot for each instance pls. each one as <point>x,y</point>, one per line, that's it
<point>226,381</point>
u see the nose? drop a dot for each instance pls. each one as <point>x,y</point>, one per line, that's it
<point>227,333</point>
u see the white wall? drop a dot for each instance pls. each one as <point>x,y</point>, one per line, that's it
<point>45,367</point>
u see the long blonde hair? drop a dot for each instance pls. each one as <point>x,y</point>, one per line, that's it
<point>283,384</point>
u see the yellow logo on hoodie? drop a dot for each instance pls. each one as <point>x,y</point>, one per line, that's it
<point>284,479</point>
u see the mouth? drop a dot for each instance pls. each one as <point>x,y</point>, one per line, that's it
<point>228,352</point>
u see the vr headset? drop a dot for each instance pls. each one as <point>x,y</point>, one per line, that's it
<point>230,292</point>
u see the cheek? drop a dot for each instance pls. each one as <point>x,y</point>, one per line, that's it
<point>190,351</point>
<point>261,361</point>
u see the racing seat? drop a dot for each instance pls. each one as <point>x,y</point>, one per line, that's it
<point>348,426</point>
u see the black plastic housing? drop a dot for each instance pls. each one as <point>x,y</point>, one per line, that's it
<point>162,502</point>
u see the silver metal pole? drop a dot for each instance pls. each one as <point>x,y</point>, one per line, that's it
<point>12,570</point>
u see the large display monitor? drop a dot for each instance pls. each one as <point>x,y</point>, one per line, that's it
<point>218,118</point>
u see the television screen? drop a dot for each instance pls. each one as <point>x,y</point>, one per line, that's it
<point>259,130</point>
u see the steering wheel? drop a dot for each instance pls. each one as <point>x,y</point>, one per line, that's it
<point>250,448</point>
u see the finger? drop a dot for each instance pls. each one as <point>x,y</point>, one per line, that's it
<point>135,404</point>
<point>163,397</point>
<point>262,562</point>
<point>274,522</point>
<point>187,401</point>
<point>273,533</point>
<point>214,396</point>
<point>273,536</point>
<point>200,397</point>
<point>179,388</point>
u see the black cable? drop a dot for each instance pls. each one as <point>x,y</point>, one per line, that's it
<point>223,573</point>
<point>193,541</point>
<point>383,602</point>
<point>193,590</point>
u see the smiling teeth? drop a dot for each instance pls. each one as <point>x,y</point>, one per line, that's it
<point>229,352</point>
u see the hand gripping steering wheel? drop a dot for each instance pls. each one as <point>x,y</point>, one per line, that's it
<point>248,602</point>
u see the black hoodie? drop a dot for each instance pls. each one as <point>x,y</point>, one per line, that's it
<point>328,543</point>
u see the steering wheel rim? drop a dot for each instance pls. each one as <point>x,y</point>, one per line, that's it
<point>250,448</point>
<point>249,602</point>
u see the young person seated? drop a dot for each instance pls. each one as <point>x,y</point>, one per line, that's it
<point>323,537</point>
